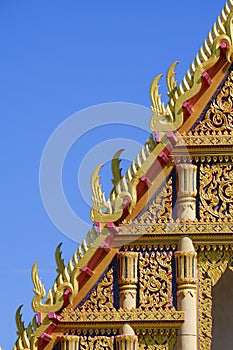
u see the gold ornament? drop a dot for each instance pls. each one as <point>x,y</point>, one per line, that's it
<point>159,339</point>
<point>216,190</point>
<point>155,274</point>
<point>160,208</point>
<point>101,298</point>
<point>171,117</point>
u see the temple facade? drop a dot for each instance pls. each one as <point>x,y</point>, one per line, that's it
<point>155,270</point>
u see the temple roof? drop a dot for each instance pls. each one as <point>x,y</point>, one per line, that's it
<point>173,125</point>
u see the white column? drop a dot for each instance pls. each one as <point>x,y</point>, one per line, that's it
<point>186,277</point>
<point>68,342</point>
<point>127,278</point>
<point>186,191</point>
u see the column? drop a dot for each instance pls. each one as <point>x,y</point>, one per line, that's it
<point>127,278</point>
<point>186,191</point>
<point>127,342</point>
<point>68,342</point>
<point>186,278</point>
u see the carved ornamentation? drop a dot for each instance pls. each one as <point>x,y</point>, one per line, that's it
<point>67,278</point>
<point>219,116</point>
<point>216,190</point>
<point>177,228</point>
<point>160,209</point>
<point>171,117</point>
<point>212,263</point>
<point>101,298</point>
<point>64,281</point>
<point>97,343</point>
<point>85,343</point>
<point>158,107</point>
<point>122,316</point>
<point>126,342</point>
<point>193,139</point>
<point>155,273</point>
<point>160,339</point>
<point>25,339</point>
<point>124,192</point>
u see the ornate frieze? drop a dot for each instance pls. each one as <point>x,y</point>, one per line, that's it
<point>176,228</point>
<point>85,343</point>
<point>167,316</point>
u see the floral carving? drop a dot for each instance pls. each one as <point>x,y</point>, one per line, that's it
<point>219,116</point>
<point>159,339</point>
<point>87,342</point>
<point>216,190</point>
<point>160,209</point>
<point>155,280</point>
<point>101,298</point>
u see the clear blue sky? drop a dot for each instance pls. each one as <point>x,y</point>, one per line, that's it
<point>58,57</point>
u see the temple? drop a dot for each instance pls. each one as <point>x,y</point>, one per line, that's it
<point>155,270</point>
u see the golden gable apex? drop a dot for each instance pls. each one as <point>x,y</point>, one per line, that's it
<point>219,40</point>
<point>186,103</point>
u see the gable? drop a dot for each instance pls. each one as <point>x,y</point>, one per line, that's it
<point>125,283</point>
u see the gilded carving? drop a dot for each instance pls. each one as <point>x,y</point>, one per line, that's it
<point>216,190</point>
<point>159,339</point>
<point>122,316</point>
<point>86,343</point>
<point>171,117</point>
<point>212,263</point>
<point>101,298</point>
<point>25,339</point>
<point>177,228</point>
<point>219,116</point>
<point>155,274</point>
<point>193,139</point>
<point>99,343</point>
<point>160,209</point>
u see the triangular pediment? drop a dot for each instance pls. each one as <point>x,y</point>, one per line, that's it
<point>120,286</point>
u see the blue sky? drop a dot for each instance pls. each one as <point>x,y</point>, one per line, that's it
<point>58,58</point>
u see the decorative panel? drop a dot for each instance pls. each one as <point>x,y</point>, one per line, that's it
<point>216,191</point>
<point>155,280</point>
<point>101,298</point>
<point>159,339</point>
<point>218,118</point>
<point>160,207</point>
<point>85,343</point>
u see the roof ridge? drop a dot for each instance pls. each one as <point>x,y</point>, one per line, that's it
<point>164,120</point>
<point>219,37</point>
<point>205,51</point>
<point>65,282</point>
